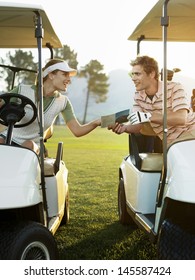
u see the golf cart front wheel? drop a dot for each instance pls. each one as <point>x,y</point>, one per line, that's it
<point>175,242</point>
<point>28,241</point>
<point>66,216</point>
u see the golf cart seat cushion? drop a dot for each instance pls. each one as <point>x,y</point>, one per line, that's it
<point>49,166</point>
<point>151,161</point>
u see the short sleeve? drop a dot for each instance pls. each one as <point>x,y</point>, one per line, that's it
<point>68,112</point>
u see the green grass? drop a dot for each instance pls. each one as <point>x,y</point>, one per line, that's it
<point>94,232</point>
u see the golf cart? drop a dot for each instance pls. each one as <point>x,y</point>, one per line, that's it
<point>156,190</point>
<point>33,188</point>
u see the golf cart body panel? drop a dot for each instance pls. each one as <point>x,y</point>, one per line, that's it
<point>181,175</point>
<point>140,187</point>
<point>21,181</point>
<point>55,193</point>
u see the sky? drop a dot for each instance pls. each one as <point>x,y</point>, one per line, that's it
<point>99,29</point>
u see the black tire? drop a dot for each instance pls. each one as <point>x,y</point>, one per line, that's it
<point>175,243</point>
<point>124,217</point>
<point>66,216</point>
<point>27,241</point>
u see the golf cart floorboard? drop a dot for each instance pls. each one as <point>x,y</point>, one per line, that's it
<point>146,221</point>
<point>54,224</point>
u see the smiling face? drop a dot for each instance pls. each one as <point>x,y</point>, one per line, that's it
<point>60,80</point>
<point>142,80</point>
<point>145,74</point>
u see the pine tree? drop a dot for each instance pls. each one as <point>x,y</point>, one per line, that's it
<point>97,83</point>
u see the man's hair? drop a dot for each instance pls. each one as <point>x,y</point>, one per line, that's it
<point>149,64</point>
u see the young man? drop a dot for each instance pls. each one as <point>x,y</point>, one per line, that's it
<point>148,105</point>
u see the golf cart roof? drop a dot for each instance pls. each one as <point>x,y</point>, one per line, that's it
<point>181,23</point>
<point>17,27</point>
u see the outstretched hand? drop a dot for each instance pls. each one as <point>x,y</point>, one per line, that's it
<point>118,128</point>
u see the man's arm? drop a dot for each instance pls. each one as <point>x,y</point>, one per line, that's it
<point>128,128</point>
<point>173,118</point>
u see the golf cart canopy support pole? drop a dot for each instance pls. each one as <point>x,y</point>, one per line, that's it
<point>141,38</point>
<point>39,35</point>
<point>164,24</point>
<point>49,46</point>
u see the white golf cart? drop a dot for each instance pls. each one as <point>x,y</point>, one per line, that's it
<point>157,190</point>
<point>33,189</point>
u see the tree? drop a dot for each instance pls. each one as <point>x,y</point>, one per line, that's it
<point>67,54</point>
<point>96,83</point>
<point>17,62</point>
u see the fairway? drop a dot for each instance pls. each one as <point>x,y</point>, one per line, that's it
<point>93,231</point>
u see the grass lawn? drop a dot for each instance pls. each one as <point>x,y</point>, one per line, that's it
<point>94,232</point>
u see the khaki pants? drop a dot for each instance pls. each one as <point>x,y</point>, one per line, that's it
<point>189,135</point>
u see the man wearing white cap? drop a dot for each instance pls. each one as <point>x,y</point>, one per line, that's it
<point>56,78</point>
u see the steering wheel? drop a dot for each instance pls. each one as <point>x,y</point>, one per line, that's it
<point>12,111</point>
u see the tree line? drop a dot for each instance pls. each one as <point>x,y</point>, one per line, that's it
<point>20,67</point>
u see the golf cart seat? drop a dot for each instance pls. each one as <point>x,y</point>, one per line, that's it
<point>145,161</point>
<point>151,162</point>
<point>52,165</point>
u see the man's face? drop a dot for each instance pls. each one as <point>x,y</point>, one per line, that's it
<point>141,80</point>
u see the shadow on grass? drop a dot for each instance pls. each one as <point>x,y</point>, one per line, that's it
<point>113,242</point>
